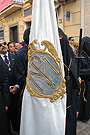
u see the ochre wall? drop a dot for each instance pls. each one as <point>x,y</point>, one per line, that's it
<point>13,18</point>
<point>87,18</point>
<point>10,20</point>
<point>72,27</point>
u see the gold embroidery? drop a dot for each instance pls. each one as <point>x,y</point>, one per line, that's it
<point>53,68</point>
<point>31,78</point>
<point>68,106</point>
<point>60,90</point>
<point>80,91</point>
<point>48,78</point>
<point>83,91</point>
<point>51,49</point>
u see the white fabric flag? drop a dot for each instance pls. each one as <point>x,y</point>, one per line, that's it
<point>39,116</point>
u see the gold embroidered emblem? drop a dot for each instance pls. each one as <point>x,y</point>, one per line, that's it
<point>44,77</point>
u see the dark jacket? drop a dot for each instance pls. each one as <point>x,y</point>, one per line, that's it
<point>4,99</point>
<point>11,76</point>
<point>21,60</point>
<point>15,106</point>
<point>72,84</point>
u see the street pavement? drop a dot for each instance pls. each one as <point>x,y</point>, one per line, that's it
<point>83,128</point>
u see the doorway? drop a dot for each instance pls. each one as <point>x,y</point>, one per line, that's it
<point>13,32</point>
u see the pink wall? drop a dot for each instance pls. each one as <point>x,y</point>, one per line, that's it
<point>4,3</point>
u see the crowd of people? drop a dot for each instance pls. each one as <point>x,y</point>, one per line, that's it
<point>13,72</point>
<point>14,47</point>
<point>78,93</point>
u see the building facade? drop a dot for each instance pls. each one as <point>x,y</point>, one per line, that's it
<point>73,16</point>
<point>86,14</point>
<point>70,16</point>
<point>16,16</point>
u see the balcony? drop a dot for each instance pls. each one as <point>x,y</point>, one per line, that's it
<point>11,7</point>
<point>30,1</point>
<point>63,1</point>
<point>19,1</point>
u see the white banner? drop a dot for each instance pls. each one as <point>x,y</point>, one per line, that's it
<point>40,116</point>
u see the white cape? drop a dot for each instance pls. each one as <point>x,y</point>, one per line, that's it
<point>40,116</point>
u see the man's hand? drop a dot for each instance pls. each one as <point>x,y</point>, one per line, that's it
<point>14,89</point>
<point>79,80</point>
<point>77,114</point>
<point>6,108</point>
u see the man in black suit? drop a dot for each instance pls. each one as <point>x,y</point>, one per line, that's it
<point>14,108</point>
<point>11,47</point>
<point>21,61</point>
<point>4,98</point>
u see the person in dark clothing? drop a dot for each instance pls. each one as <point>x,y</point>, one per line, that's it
<point>72,83</point>
<point>14,108</point>
<point>26,35</point>
<point>11,47</point>
<point>21,61</point>
<point>74,49</point>
<point>73,46</point>
<point>4,98</point>
<point>84,72</point>
<point>17,46</point>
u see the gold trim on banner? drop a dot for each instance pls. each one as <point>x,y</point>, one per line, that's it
<point>60,90</point>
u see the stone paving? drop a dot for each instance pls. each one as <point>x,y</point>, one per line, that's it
<point>83,128</point>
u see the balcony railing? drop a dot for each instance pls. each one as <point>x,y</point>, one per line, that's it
<point>19,1</point>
